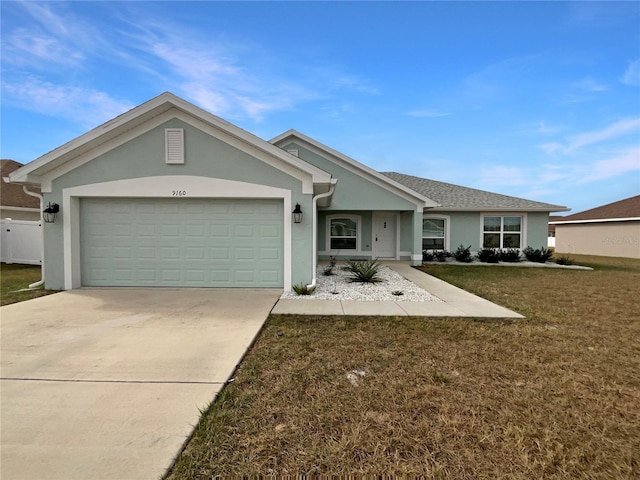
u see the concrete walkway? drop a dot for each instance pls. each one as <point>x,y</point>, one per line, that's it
<point>456,302</point>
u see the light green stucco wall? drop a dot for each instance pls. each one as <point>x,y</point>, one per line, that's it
<point>205,156</point>
<point>465,228</point>
<point>353,192</point>
<point>538,229</point>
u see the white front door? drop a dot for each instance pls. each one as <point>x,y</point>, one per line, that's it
<point>384,235</point>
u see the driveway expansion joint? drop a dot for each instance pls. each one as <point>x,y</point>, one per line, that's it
<point>80,380</point>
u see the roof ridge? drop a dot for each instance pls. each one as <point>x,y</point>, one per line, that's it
<point>452,196</point>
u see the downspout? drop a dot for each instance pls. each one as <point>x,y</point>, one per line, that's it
<point>39,197</point>
<point>314,239</point>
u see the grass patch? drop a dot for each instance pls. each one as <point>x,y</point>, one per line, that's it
<point>17,277</point>
<point>553,396</point>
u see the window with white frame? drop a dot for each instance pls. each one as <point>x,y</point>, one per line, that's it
<point>343,232</point>
<point>434,233</point>
<point>502,231</point>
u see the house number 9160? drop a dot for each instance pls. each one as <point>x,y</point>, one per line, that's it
<point>178,193</point>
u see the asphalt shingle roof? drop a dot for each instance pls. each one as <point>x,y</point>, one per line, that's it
<point>11,194</point>
<point>457,197</point>
<point>627,208</point>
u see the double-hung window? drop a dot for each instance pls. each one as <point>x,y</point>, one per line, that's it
<point>502,232</point>
<point>343,233</point>
<point>433,234</point>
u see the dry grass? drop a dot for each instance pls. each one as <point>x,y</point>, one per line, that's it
<point>553,396</point>
<point>15,277</point>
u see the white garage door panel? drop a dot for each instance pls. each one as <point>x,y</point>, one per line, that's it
<point>182,242</point>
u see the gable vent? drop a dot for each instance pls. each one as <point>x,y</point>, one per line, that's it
<point>174,145</point>
<point>293,151</point>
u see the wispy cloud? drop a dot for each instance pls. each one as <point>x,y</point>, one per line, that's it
<point>498,175</point>
<point>428,113</point>
<point>621,128</point>
<point>631,76</point>
<point>231,77</point>
<point>87,106</point>
<point>594,155</point>
<point>53,38</point>
<point>615,130</point>
<point>589,84</point>
<point>619,163</point>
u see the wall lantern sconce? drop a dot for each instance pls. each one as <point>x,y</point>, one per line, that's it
<point>297,214</point>
<point>50,213</point>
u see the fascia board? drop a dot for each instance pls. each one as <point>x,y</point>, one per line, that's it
<point>20,175</point>
<point>596,220</point>
<point>497,209</point>
<point>358,168</point>
<point>160,104</point>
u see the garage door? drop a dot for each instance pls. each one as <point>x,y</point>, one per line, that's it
<point>181,242</point>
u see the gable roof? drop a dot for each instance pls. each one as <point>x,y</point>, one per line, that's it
<point>121,126</point>
<point>454,197</point>
<point>12,195</point>
<point>354,166</point>
<point>622,210</point>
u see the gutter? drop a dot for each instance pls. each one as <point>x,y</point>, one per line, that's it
<point>314,239</point>
<point>39,283</point>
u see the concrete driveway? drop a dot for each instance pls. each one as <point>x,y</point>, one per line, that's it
<point>108,383</point>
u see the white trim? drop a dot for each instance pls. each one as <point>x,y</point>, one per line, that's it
<point>523,231</point>
<point>447,227</point>
<point>327,246</point>
<point>161,187</point>
<point>285,167</point>
<point>396,216</point>
<point>162,105</point>
<point>357,168</point>
<point>596,220</point>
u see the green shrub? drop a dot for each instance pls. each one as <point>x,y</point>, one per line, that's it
<point>364,271</point>
<point>427,256</point>
<point>463,254</point>
<point>488,255</point>
<point>509,255</point>
<point>441,255</point>
<point>564,260</point>
<point>303,289</point>
<point>538,255</point>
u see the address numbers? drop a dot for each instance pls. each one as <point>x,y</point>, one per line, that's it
<point>178,193</point>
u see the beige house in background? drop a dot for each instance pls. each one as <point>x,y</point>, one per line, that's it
<point>612,230</point>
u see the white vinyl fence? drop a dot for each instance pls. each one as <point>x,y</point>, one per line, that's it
<point>21,242</point>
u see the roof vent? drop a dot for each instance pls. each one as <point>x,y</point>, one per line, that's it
<point>174,146</point>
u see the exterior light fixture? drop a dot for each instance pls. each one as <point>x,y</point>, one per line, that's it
<point>297,214</point>
<point>50,213</point>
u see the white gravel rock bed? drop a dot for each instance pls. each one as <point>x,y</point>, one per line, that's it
<point>338,287</point>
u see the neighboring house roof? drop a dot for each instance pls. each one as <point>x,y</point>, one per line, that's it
<point>12,195</point>
<point>454,197</point>
<point>68,156</point>
<point>622,210</point>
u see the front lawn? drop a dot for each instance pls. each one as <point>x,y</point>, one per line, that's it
<point>554,396</point>
<point>15,277</point>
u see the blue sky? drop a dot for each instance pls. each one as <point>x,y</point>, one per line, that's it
<point>538,100</point>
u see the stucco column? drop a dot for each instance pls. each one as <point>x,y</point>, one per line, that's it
<point>416,257</point>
